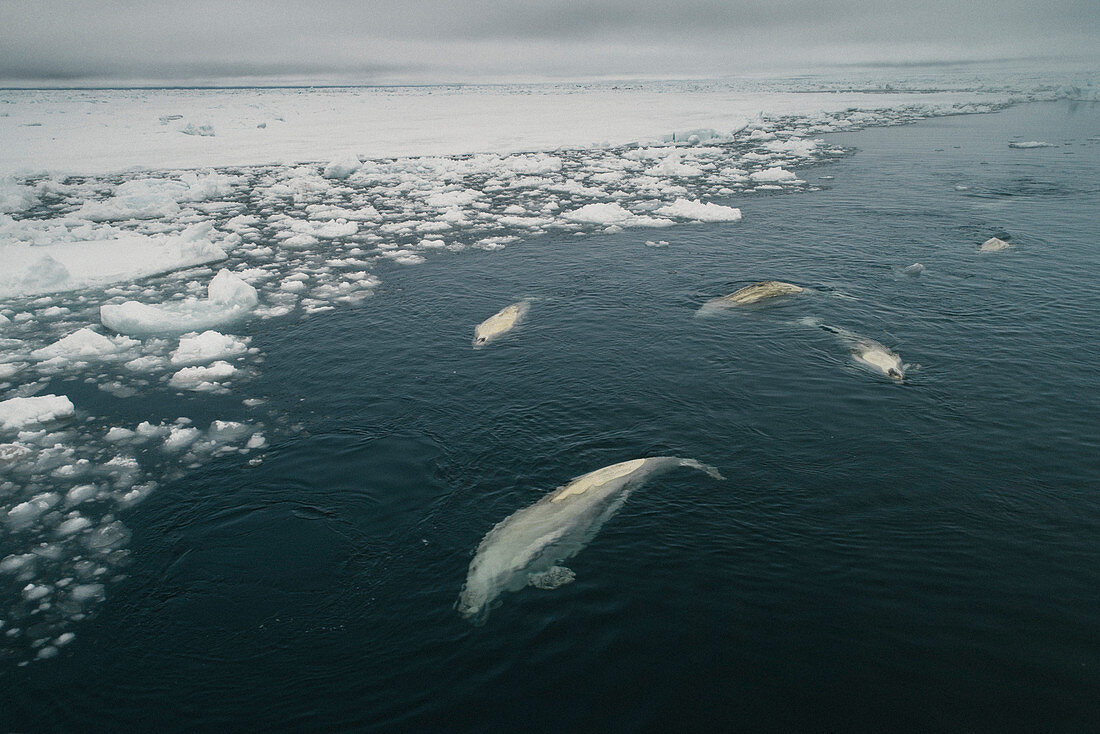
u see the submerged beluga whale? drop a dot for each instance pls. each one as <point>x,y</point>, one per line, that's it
<point>525,547</point>
<point>750,294</point>
<point>500,323</point>
<point>867,352</point>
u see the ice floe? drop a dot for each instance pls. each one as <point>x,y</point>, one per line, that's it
<point>67,266</point>
<point>229,298</point>
<point>16,413</point>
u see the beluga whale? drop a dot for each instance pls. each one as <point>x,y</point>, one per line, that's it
<point>525,548</point>
<point>500,323</point>
<point>867,352</point>
<point>993,244</point>
<point>750,294</point>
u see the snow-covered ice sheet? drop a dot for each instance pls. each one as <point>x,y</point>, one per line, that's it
<point>74,131</point>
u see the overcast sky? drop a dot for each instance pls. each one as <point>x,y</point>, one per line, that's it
<point>373,41</point>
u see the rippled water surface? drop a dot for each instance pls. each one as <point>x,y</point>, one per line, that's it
<point>921,555</point>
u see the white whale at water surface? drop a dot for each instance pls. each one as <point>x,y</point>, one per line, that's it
<point>500,323</point>
<point>993,244</point>
<point>867,352</point>
<point>525,547</point>
<point>750,294</point>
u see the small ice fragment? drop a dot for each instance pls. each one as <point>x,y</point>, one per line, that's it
<point>86,592</point>
<point>342,166</point>
<point>993,244</point>
<point>207,347</point>
<point>914,269</point>
<point>202,378</point>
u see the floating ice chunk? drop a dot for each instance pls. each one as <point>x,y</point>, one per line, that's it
<point>34,592</point>
<point>207,347</point>
<point>776,174</point>
<point>993,244</point>
<point>29,511</point>
<point>199,130</point>
<point>46,652</point>
<point>10,369</point>
<point>256,441</point>
<point>452,199</point>
<point>600,214</point>
<point>794,146</point>
<point>79,494</point>
<point>325,230</point>
<point>700,212</point>
<point>229,298</point>
<point>85,343</point>
<point>11,452</point>
<point>300,241</point>
<point>65,266</point>
<point>342,166</point>
<point>913,270</point>
<point>672,166</point>
<point>108,536</point>
<point>16,563</point>
<point>19,413</point>
<point>180,437</point>
<point>202,378</point>
<point>15,197</point>
<point>86,592</point>
<point>155,198</point>
<point>1030,144</point>
<point>73,525</point>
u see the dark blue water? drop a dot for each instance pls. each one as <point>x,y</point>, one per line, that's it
<point>922,556</point>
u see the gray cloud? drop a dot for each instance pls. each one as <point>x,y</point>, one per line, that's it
<point>439,41</point>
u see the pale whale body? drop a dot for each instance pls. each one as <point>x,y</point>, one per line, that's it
<point>993,244</point>
<point>500,323</point>
<point>754,293</point>
<point>867,352</point>
<point>524,547</point>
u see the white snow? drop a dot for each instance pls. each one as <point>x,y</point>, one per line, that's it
<point>17,413</point>
<point>229,298</point>
<point>1031,144</point>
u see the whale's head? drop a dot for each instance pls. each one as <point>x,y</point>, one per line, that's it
<point>480,340</point>
<point>895,373</point>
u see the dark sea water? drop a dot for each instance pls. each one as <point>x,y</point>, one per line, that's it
<point>915,556</point>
